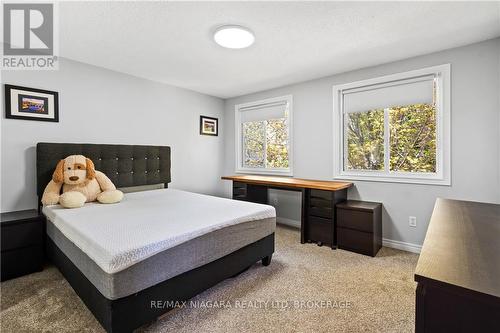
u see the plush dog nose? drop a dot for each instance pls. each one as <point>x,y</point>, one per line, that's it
<point>73,178</point>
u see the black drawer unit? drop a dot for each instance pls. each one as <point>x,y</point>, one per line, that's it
<point>239,191</point>
<point>22,243</point>
<point>359,226</point>
<point>320,216</point>
<point>249,192</point>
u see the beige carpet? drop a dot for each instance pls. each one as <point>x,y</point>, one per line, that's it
<point>340,292</point>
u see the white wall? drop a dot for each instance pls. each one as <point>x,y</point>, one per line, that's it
<point>101,106</point>
<point>475,141</point>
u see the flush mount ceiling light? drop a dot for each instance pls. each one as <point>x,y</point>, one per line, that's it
<point>234,37</point>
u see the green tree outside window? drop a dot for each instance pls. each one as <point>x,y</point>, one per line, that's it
<point>412,139</point>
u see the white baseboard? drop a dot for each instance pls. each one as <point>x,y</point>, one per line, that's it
<point>409,247</point>
<point>288,222</point>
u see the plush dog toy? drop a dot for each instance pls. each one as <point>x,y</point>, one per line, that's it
<point>80,183</point>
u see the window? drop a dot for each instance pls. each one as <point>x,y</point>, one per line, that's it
<point>394,128</point>
<point>263,136</point>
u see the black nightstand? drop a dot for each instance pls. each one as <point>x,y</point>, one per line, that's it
<point>22,243</point>
<point>359,226</point>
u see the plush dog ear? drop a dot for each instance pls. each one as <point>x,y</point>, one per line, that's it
<point>58,175</point>
<point>90,169</point>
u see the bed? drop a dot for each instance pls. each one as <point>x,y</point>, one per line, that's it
<point>156,245</point>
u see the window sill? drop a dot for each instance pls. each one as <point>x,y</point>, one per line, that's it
<point>265,172</point>
<point>404,180</point>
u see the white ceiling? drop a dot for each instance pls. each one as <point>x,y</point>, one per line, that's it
<point>171,42</point>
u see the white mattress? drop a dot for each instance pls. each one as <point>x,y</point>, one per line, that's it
<point>145,223</point>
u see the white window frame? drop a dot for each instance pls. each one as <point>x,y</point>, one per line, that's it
<point>442,176</point>
<point>239,137</point>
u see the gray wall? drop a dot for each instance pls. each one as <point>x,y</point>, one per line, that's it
<point>101,106</point>
<point>474,138</point>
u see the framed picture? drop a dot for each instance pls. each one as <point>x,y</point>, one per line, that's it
<point>209,126</point>
<point>31,104</point>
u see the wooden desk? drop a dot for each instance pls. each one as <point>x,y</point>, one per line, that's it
<point>458,271</point>
<point>318,218</point>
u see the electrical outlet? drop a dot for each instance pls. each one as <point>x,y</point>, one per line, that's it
<point>412,220</point>
<point>274,201</point>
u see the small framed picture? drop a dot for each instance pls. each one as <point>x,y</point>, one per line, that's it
<point>209,126</point>
<point>31,104</point>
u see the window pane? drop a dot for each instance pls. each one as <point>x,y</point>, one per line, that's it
<point>365,140</point>
<point>277,143</point>
<point>413,138</point>
<point>253,144</point>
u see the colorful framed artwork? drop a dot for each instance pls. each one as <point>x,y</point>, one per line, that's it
<point>31,104</point>
<point>209,126</point>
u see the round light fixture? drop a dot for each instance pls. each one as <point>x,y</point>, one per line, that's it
<point>234,37</point>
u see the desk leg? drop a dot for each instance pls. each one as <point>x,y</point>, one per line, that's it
<point>303,216</point>
<point>338,197</point>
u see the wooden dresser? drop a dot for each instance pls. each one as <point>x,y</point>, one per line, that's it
<point>458,271</point>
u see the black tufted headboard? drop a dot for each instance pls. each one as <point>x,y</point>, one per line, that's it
<point>125,165</point>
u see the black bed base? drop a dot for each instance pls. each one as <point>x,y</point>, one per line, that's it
<point>130,312</point>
